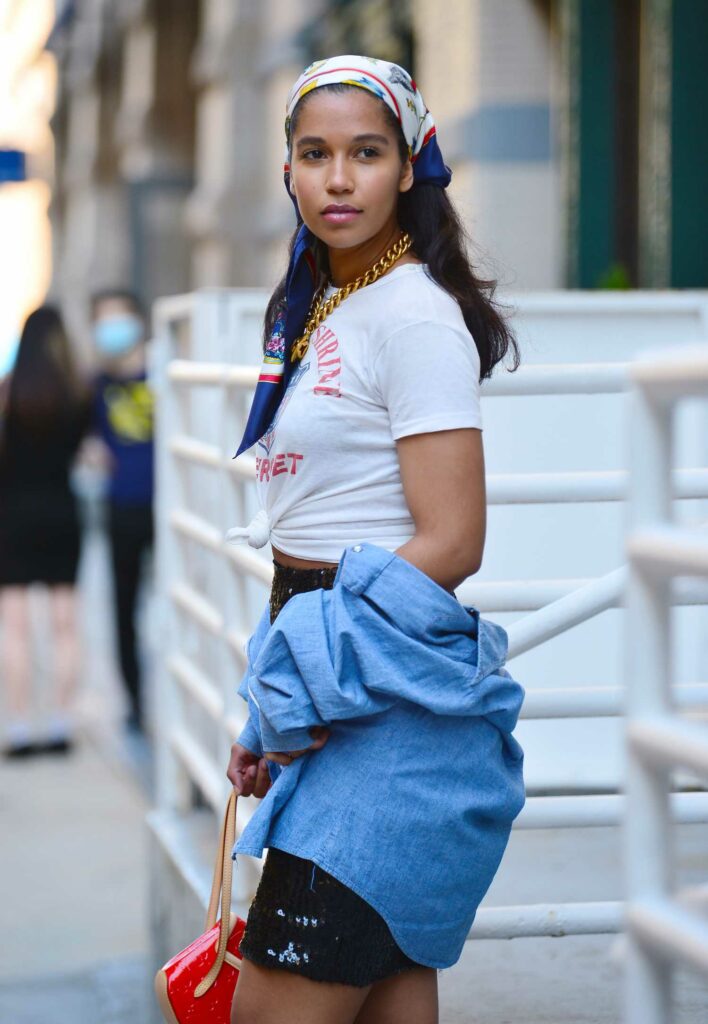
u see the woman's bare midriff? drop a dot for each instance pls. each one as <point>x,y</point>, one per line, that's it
<point>299,563</point>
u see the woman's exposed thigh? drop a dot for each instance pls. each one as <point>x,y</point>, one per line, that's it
<point>63,605</point>
<point>410,997</point>
<point>14,606</point>
<point>266,995</point>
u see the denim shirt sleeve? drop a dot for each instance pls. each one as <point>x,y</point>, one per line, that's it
<point>385,632</point>
<point>250,735</point>
<point>250,738</point>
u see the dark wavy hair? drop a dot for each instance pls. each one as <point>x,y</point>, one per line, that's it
<point>44,385</point>
<point>439,240</point>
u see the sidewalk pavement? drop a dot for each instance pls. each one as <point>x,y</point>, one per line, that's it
<point>73,886</point>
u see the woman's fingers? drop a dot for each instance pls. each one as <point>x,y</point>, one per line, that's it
<point>239,757</point>
<point>283,759</point>
<point>239,780</point>
<point>320,735</point>
<point>251,779</point>
<point>242,770</point>
<point>261,778</point>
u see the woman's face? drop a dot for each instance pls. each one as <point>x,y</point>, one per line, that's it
<point>345,168</point>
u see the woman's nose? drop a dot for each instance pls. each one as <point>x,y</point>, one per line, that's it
<point>339,178</point>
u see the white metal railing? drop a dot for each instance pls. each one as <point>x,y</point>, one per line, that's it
<point>208,602</point>
<point>662,931</point>
<point>192,689</point>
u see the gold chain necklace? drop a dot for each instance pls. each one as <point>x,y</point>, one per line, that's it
<point>321,307</point>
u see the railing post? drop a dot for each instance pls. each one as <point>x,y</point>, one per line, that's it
<point>647,832</point>
<point>172,782</point>
<point>660,930</point>
<point>232,586</point>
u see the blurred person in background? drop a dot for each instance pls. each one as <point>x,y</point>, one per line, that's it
<point>45,411</point>
<point>123,441</point>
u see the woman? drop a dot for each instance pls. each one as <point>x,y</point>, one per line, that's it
<point>46,413</point>
<point>380,718</point>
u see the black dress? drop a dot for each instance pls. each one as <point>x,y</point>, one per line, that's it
<point>40,535</point>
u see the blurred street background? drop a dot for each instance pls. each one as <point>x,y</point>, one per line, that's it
<point>141,151</point>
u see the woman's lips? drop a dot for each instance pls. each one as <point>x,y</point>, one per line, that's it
<point>340,214</point>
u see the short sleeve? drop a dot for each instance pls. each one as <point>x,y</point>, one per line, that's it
<point>427,375</point>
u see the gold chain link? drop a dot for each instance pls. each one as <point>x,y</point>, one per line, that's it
<point>321,307</point>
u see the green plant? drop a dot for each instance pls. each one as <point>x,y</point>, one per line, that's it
<point>616,277</point>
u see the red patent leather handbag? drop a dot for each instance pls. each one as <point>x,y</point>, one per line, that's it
<point>197,985</point>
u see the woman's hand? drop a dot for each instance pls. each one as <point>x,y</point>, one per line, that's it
<point>247,773</point>
<point>320,735</point>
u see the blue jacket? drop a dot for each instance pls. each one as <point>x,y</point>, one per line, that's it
<point>410,802</point>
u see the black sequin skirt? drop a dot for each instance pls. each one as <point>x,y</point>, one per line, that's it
<point>302,919</point>
<point>287,582</point>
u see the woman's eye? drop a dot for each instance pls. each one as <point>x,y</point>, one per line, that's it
<point>312,154</point>
<point>368,151</point>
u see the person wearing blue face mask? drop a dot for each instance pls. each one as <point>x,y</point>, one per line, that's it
<point>117,334</point>
<point>123,421</point>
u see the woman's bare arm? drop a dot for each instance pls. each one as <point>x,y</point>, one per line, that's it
<point>444,485</point>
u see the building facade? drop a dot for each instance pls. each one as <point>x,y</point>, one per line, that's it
<point>27,85</point>
<point>569,126</point>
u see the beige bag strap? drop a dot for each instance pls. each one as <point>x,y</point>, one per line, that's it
<point>221,883</point>
<point>218,872</point>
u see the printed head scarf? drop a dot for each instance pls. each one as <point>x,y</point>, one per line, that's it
<point>392,84</point>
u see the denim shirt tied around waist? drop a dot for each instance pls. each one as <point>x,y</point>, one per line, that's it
<point>410,802</point>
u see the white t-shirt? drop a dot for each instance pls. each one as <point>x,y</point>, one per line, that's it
<point>396,358</point>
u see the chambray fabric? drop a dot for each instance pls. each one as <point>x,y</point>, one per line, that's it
<point>411,801</point>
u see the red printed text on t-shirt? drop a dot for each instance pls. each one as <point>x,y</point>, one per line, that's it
<point>283,462</point>
<point>329,366</point>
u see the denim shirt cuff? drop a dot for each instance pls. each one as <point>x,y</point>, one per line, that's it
<point>282,742</point>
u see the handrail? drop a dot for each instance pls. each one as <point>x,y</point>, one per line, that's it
<point>213,611</point>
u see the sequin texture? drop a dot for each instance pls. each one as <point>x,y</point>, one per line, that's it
<point>308,923</point>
